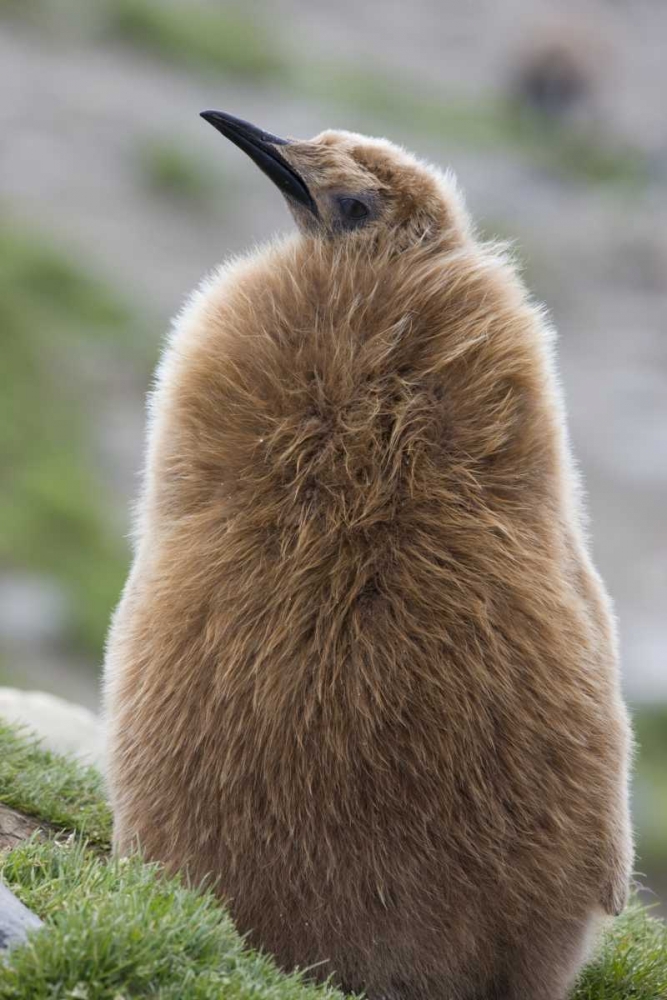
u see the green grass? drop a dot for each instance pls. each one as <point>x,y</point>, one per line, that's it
<point>121,928</point>
<point>631,963</point>
<point>54,321</point>
<point>51,787</point>
<point>225,39</point>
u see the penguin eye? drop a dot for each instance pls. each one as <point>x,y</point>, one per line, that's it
<point>353,211</point>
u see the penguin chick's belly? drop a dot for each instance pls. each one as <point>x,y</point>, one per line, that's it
<point>370,824</point>
<point>333,722</point>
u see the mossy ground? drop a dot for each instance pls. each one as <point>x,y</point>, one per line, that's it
<point>120,928</point>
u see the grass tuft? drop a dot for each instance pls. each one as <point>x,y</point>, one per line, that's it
<point>53,788</point>
<point>631,963</point>
<point>120,929</point>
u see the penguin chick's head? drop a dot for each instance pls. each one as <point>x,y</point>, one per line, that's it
<point>343,184</point>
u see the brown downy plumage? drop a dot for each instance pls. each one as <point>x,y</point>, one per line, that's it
<point>363,676</point>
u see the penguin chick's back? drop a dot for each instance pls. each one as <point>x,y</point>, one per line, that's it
<point>362,664</point>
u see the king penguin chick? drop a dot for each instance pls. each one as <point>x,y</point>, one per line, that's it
<point>363,676</point>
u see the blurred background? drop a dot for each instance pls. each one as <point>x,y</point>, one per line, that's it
<point>115,198</point>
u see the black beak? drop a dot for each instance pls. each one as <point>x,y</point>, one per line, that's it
<point>261,148</point>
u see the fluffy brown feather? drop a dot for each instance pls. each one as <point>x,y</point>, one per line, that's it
<point>363,675</point>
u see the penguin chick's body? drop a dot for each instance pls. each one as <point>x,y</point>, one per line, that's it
<point>363,675</point>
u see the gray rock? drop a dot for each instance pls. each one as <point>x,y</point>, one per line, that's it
<point>16,920</point>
